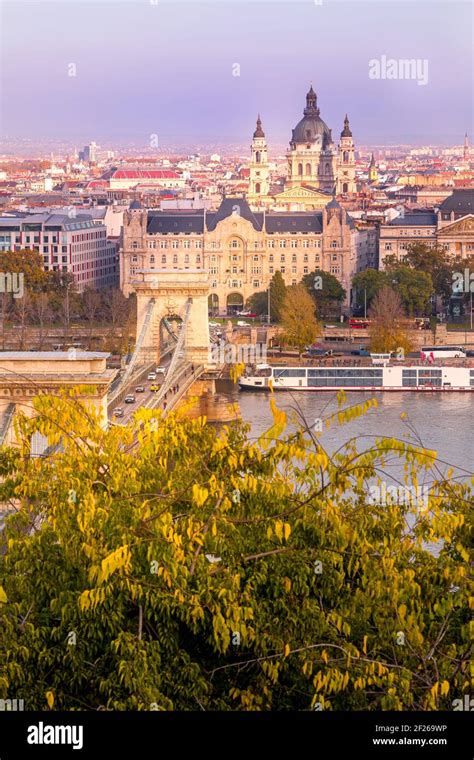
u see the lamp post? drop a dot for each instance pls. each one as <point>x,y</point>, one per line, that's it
<point>268,304</point>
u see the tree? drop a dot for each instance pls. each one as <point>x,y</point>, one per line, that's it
<point>297,317</point>
<point>277,296</point>
<point>171,565</point>
<point>30,264</point>
<point>41,313</point>
<point>90,307</point>
<point>433,261</point>
<point>367,284</point>
<point>258,302</point>
<point>388,329</point>
<point>326,291</point>
<point>414,288</point>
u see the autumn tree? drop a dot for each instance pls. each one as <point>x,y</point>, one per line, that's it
<point>389,327</point>
<point>300,326</point>
<point>170,565</point>
<point>414,288</point>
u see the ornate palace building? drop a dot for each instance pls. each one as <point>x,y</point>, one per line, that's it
<point>317,168</point>
<point>241,249</point>
<point>450,226</point>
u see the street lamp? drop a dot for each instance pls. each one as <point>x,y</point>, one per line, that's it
<point>268,304</point>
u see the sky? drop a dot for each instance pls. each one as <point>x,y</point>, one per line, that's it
<point>201,71</point>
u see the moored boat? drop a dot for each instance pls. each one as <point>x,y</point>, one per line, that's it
<point>388,377</point>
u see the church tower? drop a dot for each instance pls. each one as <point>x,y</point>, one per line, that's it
<point>312,157</point>
<point>346,169</point>
<point>373,173</point>
<point>465,152</point>
<point>259,185</point>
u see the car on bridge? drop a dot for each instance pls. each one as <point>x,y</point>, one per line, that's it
<point>118,412</point>
<point>151,376</point>
<point>129,399</point>
<point>140,389</point>
<point>161,370</point>
<point>154,388</point>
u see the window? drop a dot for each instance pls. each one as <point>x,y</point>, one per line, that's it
<point>294,244</point>
<point>134,245</point>
<point>282,257</point>
<point>305,257</point>
<point>334,244</point>
<point>175,258</point>
<point>282,243</point>
<point>234,244</point>
<point>308,170</point>
<point>186,259</point>
<point>282,270</point>
<point>152,259</point>
<point>175,243</point>
<point>293,258</point>
<point>163,259</point>
<point>270,270</point>
<point>187,244</point>
<point>293,270</point>
<point>388,246</point>
<point>300,170</point>
<point>271,244</point>
<point>163,244</point>
<point>270,258</point>
<point>256,283</point>
<point>134,259</point>
<point>305,270</point>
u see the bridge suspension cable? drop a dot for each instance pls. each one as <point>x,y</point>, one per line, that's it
<point>136,351</point>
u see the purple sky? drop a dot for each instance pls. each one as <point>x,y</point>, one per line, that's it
<point>166,69</point>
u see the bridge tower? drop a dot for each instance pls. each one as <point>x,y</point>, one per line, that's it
<point>167,295</point>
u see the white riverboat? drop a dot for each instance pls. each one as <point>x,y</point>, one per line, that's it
<point>388,377</point>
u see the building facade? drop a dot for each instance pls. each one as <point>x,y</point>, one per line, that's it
<point>450,226</point>
<point>75,244</point>
<point>241,249</point>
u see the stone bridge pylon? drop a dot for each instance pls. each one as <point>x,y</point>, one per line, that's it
<point>169,296</point>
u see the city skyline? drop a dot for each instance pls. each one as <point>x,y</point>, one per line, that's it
<point>200,72</point>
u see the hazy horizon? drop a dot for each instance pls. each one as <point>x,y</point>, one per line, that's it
<point>168,69</point>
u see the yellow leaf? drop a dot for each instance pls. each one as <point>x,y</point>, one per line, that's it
<point>287,650</point>
<point>3,596</point>
<point>444,688</point>
<point>286,531</point>
<point>50,699</point>
<point>364,645</point>
<point>402,611</point>
<point>324,656</point>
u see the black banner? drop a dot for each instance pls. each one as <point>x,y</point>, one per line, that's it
<point>88,735</point>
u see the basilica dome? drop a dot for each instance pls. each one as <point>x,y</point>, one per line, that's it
<point>311,127</point>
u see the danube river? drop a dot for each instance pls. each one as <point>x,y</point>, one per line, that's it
<point>439,422</point>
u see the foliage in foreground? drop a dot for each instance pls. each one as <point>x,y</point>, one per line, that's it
<point>196,569</point>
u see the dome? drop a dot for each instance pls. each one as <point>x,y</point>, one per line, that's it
<point>311,127</point>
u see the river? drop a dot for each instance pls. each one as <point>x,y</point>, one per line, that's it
<point>440,422</point>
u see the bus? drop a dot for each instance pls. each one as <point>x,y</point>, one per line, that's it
<point>359,323</point>
<point>445,352</point>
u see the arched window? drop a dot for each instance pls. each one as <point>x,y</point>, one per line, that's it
<point>163,259</point>
<point>258,157</point>
<point>152,259</point>
<point>257,187</point>
<point>345,187</point>
<point>327,169</point>
<point>308,170</point>
<point>300,170</point>
<point>345,156</point>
